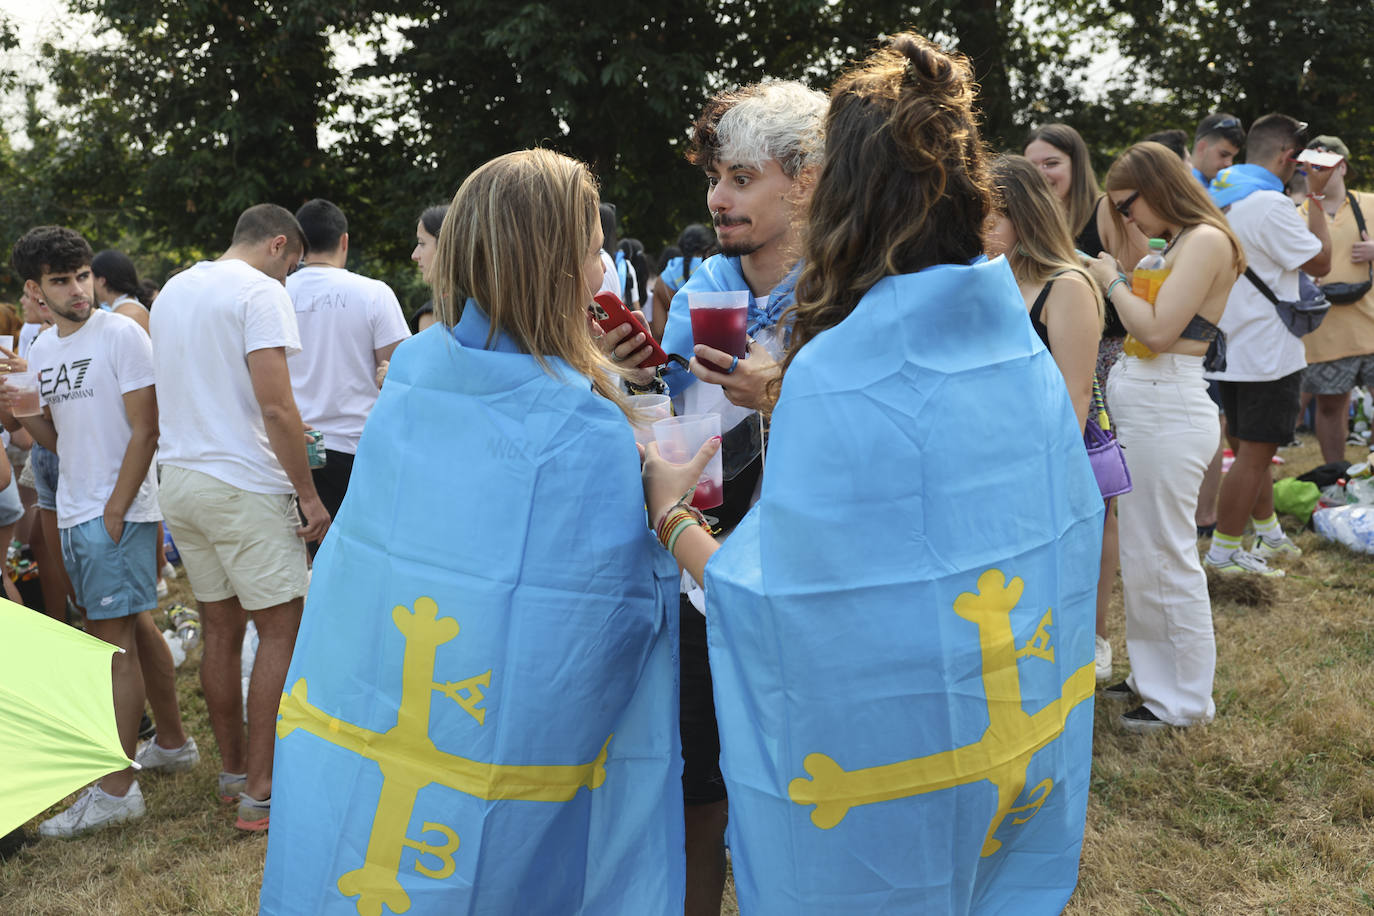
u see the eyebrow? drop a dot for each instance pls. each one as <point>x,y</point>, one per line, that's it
<point>741,167</point>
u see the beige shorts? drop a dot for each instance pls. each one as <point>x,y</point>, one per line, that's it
<point>234,542</point>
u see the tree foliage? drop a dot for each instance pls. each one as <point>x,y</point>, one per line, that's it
<point>178,115</point>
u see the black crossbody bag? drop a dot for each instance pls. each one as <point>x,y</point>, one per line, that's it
<point>1346,293</point>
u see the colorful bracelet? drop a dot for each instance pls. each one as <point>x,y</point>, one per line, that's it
<point>1112,286</point>
<point>677,532</point>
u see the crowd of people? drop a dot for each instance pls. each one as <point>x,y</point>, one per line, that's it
<point>266,407</point>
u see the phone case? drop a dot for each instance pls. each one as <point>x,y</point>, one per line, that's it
<point>610,313</point>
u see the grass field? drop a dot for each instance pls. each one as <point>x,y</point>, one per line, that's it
<point>1268,810</point>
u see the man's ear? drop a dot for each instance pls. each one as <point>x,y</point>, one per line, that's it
<point>343,243</point>
<point>276,245</point>
<point>35,291</point>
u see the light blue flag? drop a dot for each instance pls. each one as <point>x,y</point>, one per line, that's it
<point>481,712</point>
<point>901,631</point>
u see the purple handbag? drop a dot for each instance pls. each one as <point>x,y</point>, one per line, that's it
<point>1104,451</point>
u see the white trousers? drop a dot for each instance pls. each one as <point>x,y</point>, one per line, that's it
<point>1169,428</point>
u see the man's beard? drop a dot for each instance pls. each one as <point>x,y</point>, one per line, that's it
<point>739,249</point>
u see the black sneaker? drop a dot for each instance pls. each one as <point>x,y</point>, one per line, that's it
<point>145,728</point>
<point>1119,692</point>
<point>1142,720</point>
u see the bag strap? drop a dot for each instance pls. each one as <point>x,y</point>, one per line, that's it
<point>1359,222</point>
<point>1097,408</point>
<point>1261,285</point>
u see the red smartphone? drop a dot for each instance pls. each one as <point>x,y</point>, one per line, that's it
<point>610,313</point>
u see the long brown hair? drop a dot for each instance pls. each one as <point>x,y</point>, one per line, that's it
<point>904,183</point>
<point>1044,247</point>
<point>514,240</point>
<point>1080,204</point>
<point>1170,190</point>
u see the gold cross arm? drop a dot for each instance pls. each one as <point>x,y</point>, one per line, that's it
<point>403,753</point>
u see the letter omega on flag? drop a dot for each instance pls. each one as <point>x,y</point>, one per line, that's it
<point>409,761</point>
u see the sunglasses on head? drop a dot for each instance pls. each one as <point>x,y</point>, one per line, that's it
<point>1124,208</point>
<point>1223,124</point>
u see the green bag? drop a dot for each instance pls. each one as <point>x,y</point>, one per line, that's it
<point>1296,498</point>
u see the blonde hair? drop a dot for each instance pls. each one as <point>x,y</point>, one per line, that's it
<point>1044,246</point>
<point>1171,192</point>
<point>514,241</point>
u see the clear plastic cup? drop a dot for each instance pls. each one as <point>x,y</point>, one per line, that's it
<point>679,439</point>
<point>720,320</point>
<point>23,388</point>
<point>652,407</point>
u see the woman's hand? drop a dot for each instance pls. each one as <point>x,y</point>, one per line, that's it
<point>627,348</point>
<point>665,483</point>
<point>747,384</point>
<point>11,362</point>
<point>1104,270</point>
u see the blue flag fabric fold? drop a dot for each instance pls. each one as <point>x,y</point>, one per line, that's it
<point>1237,182</point>
<point>481,711</point>
<point>901,631</point>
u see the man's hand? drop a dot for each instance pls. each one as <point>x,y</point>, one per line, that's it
<point>1317,177</point>
<point>11,361</point>
<point>316,519</point>
<point>1362,252</point>
<point>382,367</point>
<point>748,384</point>
<point>114,524</point>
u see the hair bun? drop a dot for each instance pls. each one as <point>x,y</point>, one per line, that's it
<point>928,67</point>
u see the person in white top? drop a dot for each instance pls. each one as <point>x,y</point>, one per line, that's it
<point>95,381</point>
<point>1261,384</point>
<point>234,466</point>
<point>117,287</point>
<point>349,325</point>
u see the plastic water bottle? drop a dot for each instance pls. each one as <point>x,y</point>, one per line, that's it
<point>187,624</point>
<point>169,549</point>
<point>1149,276</point>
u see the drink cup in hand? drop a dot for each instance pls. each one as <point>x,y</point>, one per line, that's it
<point>22,388</point>
<point>720,321</point>
<point>679,439</point>
<point>652,408</point>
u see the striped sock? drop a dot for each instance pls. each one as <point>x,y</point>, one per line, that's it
<point>1224,546</point>
<point>1268,527</point>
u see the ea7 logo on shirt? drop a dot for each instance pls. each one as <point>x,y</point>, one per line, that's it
<point>62,383</point>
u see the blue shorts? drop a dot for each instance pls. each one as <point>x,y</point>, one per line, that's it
<point>44,465</point>
<point>112,580</point>
<point>11,509</point>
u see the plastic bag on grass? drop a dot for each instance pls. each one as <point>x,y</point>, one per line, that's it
<point>1352,526</point>
<point>1296,498</point>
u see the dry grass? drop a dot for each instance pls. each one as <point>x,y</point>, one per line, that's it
<point>1268,810</point>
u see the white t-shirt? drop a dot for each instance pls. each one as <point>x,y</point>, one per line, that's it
<point>343,318</point>
<point>27,335</point>
<point>611,281</point>
<point>83,378</point>
<point>208,319</point>
<point>1276,241</point>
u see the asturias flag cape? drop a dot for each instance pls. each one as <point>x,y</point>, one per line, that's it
<point>901,631</point>
<point>481,712</point>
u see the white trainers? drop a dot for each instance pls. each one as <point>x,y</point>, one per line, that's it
<point>1103,660</point>
<point>1267,549</point>
<point>95,809</point>
<point>1243,562</point>
<point>154,757</point>
<point>231,785</point>
<point>168,571</point>
<point>162,588</point>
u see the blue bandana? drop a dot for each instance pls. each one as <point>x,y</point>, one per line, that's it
<point>1240,181</point>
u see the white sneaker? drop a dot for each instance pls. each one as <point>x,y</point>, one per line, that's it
<point>1267,548</point>
<point>95,809</point>
<point>168,571</point>
<point>161,588</point>
<point>1104,660</point>
<point>1243,562</point>
<point>153,756</point>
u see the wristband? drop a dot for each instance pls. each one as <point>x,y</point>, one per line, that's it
<point>1112,286</point>
<point>1316,197</point>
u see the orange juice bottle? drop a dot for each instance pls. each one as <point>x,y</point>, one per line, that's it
<point>1149,276</point>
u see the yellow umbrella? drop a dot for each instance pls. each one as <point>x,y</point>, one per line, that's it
<point>57,722</point>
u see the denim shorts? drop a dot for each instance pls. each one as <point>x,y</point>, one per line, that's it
<point>112,580</point>
<point>44,464</point>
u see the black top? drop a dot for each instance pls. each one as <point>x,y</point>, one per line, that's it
<point>1035,311</point>
<point>1090,243</point>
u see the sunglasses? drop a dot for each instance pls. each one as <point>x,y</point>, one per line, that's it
<point>1124,208</point>
<point>1223,124</point>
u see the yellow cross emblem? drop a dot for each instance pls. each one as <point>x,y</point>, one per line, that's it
<point>409,762</point>
<point>1003,753</point>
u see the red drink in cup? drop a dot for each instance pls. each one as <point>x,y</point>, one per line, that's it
<point>720,320</point>
<point>679,439</point>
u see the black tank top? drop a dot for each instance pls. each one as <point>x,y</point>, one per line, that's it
<point>1090,243</point>
<point>1036,309</point>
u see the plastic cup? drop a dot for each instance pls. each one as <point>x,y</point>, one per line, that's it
<point>23,388</point>
<point>679,439</point>
<point>652,407</point>
<point>720,320</point>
